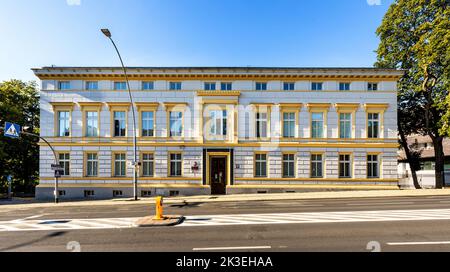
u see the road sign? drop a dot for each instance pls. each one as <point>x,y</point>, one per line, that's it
<point>12,130</point>
<point>57,167</point>
<point>58,174</point>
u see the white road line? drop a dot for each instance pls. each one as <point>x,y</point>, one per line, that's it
<point>33,216</point>
<point>379,204</point>
<point>418,243</point>
<point>230,248</point>
<point>116,222</point>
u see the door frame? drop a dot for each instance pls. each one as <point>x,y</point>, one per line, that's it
<point>209,156</point>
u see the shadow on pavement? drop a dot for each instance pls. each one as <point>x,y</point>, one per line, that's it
<point>51,235</point>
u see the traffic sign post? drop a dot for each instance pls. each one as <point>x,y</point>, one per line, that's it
<point>14,131</point>
<point>9,179</point>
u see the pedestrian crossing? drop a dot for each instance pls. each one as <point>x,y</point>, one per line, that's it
<point>67,224</point>
<point>233,219</point>
<point>317,217</point>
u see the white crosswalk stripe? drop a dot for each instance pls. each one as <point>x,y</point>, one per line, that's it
<point>234,219</point>
<point>317,217</point>
<point>67,224</point>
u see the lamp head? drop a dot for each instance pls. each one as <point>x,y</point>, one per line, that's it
<point>106,32</point>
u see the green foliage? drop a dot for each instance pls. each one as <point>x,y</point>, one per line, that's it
<point>415,35</point>
<point>19,103</point>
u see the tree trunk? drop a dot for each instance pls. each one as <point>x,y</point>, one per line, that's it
<point>405,146</point>
<point>439,159</point>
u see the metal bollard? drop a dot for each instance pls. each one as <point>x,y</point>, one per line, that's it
<point>159,209</point>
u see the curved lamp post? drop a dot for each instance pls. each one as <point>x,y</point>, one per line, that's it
<point>135,163</point>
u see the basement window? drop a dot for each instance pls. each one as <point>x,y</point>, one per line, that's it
<point>88,193</point>
<point>62,192</point>
<point>174,193</point>
<point>262,192</point>
<point>146,193</point>
<point>117,193</point>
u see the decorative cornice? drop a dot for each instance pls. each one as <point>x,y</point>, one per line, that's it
<point>97,105</point>
<point>347,106</point>
<point>118,104</point>
<point>175,105</point>
<point>321,106</point>
<point>381,107</point>
<point>195,76</point>
<point>147,105</point>
<point>68,105</point>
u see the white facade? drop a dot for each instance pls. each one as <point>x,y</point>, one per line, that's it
<point>240,144</point>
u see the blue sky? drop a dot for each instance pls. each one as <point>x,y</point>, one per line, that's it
<point>294,33</point>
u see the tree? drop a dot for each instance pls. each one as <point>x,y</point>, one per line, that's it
<point>19,103</point>
<point>415,36</point>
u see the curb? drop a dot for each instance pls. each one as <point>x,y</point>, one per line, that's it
<point>5,205</point>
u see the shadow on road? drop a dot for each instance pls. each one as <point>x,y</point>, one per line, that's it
<point>51,235</point>
<point>185,204</point>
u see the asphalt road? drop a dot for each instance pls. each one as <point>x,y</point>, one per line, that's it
<point>416,235</point>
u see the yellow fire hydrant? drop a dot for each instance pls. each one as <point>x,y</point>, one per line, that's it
<point>159,209</point>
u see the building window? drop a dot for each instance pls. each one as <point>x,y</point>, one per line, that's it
<point>148,122</point>
<point>91,164</point>
<point>147,164</point>
<point>64,161</point>
<point>372,166</point>
<point>176,123</point>
<point>316,166</point>
<point>372,86</point>
<point>120,124</point>
<point>63,123</point>
<point>288,165</point>
<point>261,86</point>
<point>289,124</point>
<point>226,86</point>
<point>120,85</point>
<point>64,85</point>
<point>218,122</point>
<point>175,86</point>
<point>317,86</point>
<point>344,86</point>
<point>91,85</point>
<point>345,125</point>
<point>120,165</point>
<point>210,86</point>
<point>317,124</point>
<point>91,124</point>
<point>288,86</point>
<point>175,165</point>
<point>345,166</point>
<point>147,85</point>
<point>260,165</point>
<point>373,125</point>
<point>261,124</point>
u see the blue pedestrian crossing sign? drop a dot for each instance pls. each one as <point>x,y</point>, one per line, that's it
<point>12,130</point>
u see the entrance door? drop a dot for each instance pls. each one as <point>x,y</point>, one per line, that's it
<point>218,175</point>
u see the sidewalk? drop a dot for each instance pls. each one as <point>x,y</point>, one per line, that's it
<point>23,204</point>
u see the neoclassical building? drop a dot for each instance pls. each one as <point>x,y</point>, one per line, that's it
<point>218,130</point>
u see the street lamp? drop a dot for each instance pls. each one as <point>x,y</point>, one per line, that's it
<point>107,33</point>
<point>25,131</point>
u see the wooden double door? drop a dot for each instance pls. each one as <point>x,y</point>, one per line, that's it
<point>218,175</point>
